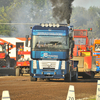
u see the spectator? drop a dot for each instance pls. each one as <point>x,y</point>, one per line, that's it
<point>20,48</point>
<point>22,59</point>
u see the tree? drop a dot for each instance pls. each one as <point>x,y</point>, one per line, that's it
<point>4,3</point>
<point>4,29</point>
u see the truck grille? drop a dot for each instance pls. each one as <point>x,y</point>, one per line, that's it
<point>48,64</point>
<point>48,69</point>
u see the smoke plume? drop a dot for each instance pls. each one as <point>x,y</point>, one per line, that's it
<point>62,10</point>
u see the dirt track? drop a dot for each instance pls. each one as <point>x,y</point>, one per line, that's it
<point>21,88</point>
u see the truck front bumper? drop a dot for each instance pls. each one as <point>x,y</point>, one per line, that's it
<point>48,74</point>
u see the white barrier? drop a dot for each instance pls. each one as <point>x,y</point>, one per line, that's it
<point>5,95</point>
<point>98,90</point>
<point>71,93</point>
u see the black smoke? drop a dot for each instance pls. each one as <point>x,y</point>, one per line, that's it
<point>62,10</point>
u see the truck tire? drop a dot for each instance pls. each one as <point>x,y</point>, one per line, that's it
<point>65,79</point>
<point>75,77</point>
<point>92,75</point>
<point>85,76</point>
<point>33,79</point>
<point>12,63</point>
<point>7,62</point>
<point>21,73</point>
<point>17,72</point>
<point>68,77</point>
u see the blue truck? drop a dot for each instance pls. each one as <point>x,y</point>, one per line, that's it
<point>51,53</point>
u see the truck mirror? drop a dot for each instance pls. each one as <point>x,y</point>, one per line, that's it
<point>72,44</point>
<point>30,42</point>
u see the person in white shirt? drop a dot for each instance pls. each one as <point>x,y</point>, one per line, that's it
<point>22,59</point>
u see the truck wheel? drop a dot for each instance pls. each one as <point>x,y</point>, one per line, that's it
<point>21,74</point>
<point>92,75</point>
<point>65,79</point>
<point>85,77</point>
<point>17,72</point>
<point>68,77</point>
<point>12,63</point>
<point>8,62</point>
<point>33,79</point>
<point>75,77</point>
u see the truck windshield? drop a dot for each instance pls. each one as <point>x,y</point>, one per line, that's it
<point>49,43</point>
<point>2,48</point>
<point>97,47</point>
<point>80,41</point>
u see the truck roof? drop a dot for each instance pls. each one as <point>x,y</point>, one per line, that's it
<point>39,27</point>
<point>80,33</point>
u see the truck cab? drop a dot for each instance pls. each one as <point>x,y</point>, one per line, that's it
<point>81,41</point>
<point>5,68</point>
<point>82,52</point>
<point>96,53</point>
<point>50,52</point>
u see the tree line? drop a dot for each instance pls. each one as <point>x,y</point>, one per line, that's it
<point>38,11</point>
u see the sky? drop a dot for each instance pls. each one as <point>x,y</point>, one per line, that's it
<point>86,3</point>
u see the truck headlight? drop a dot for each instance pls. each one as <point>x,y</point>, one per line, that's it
<point>34,64</point>
<point>63,65</point>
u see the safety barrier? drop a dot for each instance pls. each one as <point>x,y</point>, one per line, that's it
<point>71,92</point>
<point>98,90</point>
<point>5,95</point>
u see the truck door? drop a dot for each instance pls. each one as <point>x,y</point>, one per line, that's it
<point>18,46</point>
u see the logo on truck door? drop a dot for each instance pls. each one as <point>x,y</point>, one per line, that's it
<point>47,54</point>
